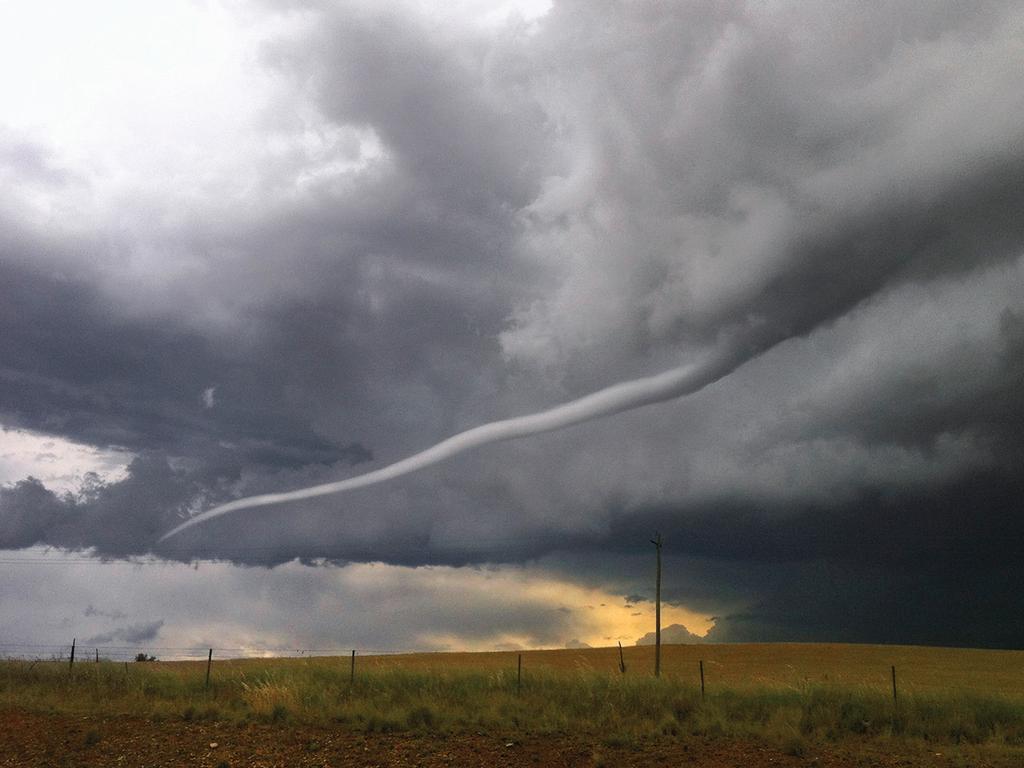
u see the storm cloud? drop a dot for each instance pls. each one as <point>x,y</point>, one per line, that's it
<point>424,224</point>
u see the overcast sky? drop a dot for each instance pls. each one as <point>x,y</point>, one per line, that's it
<point>246,247</point>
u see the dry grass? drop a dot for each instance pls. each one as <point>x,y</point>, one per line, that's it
<point>786,693</point>
<point>735,666</point>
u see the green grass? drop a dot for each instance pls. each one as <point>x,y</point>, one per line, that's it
<point>618,709</point>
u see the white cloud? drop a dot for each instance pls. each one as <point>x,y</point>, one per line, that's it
<point>368,606</point>
<point>60,464</point>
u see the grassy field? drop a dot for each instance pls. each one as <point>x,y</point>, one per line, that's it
<point>775,665</point>
<point>783,692</point>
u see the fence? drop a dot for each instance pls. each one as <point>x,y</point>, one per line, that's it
<point>918,670</point>
<point>136,653</point>
<point>62,652</point>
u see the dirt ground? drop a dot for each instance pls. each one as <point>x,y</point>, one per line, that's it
<point>65,741</point>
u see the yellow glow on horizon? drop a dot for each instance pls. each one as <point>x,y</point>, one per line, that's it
<point>609,618</point>
<point>587,614</point>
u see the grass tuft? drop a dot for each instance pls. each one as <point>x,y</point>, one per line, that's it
<point>615,710</point>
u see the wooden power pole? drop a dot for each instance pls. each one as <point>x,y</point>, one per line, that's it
<point>656,541</point>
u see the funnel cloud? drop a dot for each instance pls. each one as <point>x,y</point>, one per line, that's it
<point>615,399</point>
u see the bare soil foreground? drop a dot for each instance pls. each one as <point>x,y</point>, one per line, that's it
<point>71,741</point>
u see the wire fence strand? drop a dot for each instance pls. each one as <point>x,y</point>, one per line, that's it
<point>84,649</point>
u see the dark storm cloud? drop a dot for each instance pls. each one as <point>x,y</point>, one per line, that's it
<point>133,633</point>
<point>91,610</point>
<point>554,209</point>
<point>389,276</point>
<point>764,180</point>
<point>933,566</point>
<point>118,519</point>
<point>72,366</point>
<point>922,405</point>
<point>455,114</point>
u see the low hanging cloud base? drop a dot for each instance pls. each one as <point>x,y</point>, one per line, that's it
<point>669,385</point>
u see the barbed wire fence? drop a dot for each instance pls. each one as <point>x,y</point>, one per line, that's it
<point>86,652</point>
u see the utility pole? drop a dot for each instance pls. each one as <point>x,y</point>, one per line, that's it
<point>656,541</point>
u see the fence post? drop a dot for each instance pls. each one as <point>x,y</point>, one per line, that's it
<point>97,655</point>
<point>656,541</point>
<point>352,670</point>
<point>622,661</point>
<point>895,701</point>
<point>702,679</point>
<point>71,661</point>
<point>519,675</point>
<point>209,661</point>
